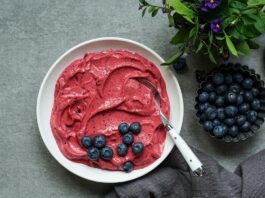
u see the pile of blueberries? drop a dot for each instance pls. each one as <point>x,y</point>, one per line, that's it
<point>228,104</point>
<point>97,147</point>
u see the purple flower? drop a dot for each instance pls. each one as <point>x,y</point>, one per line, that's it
<point>204,7</point>
<point>212,3</point>
<point>216,25</point>
<point>164,2</point>
<point>184,55</point>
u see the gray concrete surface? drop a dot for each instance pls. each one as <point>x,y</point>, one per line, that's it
<point>33,34</point>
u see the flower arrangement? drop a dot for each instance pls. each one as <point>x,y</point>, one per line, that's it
<point>217,28</point>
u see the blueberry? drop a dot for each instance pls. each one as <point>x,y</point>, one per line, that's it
<point>247,83</point>
<point>239,99</point>
<point>203,117</point>
<point>203,97</point>
<point>228,78</point>
<point>211,113</point>
<point>208,125</point>
<point>218,78</point>
<point>229,121</point>
<point>122,149</point>
<point>245,127</point>
<point>127,139</point>
<point>106,153</point>
<point>231,111</point>
<point>224,128</point>
<point>255,92</point>
<point>137,148</point>
<point>243,108</point>
<point>216,122</point>
<point>218,131</point>
<point>204,106</point>
<point>234,88</point>
<point>93,153</point>
<point>123,128</point>
<point>237,77</point>
<point>127,166</point>
<point>231,97</point>
<point>135,127</point>
<point>100,141</point>
<point>180,65</point>
<point>221,89</point>
<point>212,96</point>
<point>240,120</point>
<point>248,96</point>
<point>233,131</point>
<point>220,113</point>
<point>256,104</point>
<point>220,101</point>
<point>252,116</point>
<point>208,87</point>
<point>87,141</point>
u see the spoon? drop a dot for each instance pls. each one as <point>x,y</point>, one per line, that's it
<point>189,156</point>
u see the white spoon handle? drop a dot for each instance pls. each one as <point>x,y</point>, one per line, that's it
<point>192,160</point>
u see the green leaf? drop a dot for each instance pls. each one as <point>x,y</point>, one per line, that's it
<point>170,20</point>
<point>142,1</point>
<point>239,5</point>
<point>211,37</point>
<point>143,12</point>
<point>245,31</point>
<point>220,38</point>
<point>212,57</point>
<point>234,11</point>
<point>154,12</point>
<point>192,32</point>
<point>259,25</point>
<point>180,37</point>
<point>199,47</point>
<point>173,59</point>
<point>182,9</point>
<point>249,19</point>
<point>230,45</point>
<point>262,16</point>
<point>256,2</point>
<point>228,20</point>
<point>243,48</point>
<point>151,9</point>
<point>252,44</point>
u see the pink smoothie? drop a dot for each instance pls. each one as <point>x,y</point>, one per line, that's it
<point>94,94</point>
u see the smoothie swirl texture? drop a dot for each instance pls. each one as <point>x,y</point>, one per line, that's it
<point>96,93</point>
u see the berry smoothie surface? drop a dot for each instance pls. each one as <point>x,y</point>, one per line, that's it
<point>96,93</point>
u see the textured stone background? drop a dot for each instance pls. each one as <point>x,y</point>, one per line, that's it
<point>33,34</point>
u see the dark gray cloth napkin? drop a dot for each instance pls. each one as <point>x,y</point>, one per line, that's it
<point>173,179</point>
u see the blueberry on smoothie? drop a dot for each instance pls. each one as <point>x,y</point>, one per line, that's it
<point>135,127</point>
<point>86,141</point>
<point>122,149</point>
<point>106,153</point>
<point>127,166</point>
<point>93,153</point>
<point>127,139</point>
<point>137,148</point>
<point>100,141</point>
<point>123,128</point>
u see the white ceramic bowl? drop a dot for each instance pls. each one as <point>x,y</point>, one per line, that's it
<point>46,97</point>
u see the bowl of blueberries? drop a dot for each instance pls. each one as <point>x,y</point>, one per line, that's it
<point>230,102</point>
